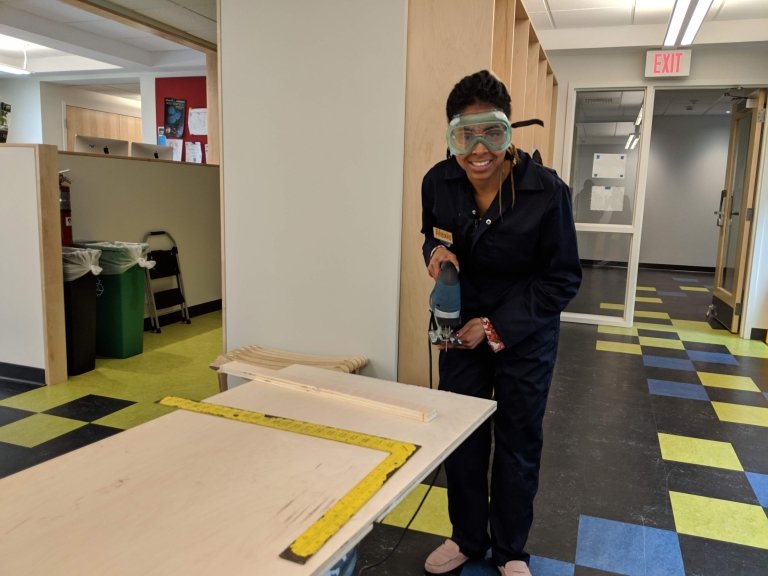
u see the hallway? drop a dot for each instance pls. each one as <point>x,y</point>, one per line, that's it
<point>655,458</point>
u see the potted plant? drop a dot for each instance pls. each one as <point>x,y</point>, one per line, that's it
<point>5,109</point>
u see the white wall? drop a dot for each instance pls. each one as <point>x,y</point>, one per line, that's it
<point>712,66</point>
<point>121,199</point>
<point>55,98</point>
<point>686,172</point>
<point>24,121</point>
<point>22,330</point>
<point>313,122</point>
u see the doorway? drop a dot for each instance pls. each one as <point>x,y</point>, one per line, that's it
<point>735,212</point>
<point>685,170</point>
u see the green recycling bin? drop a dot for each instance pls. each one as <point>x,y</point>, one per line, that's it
<point>120,298</point>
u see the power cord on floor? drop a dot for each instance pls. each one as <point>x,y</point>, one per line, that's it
<point>405,530</point>
<point>423,498</point>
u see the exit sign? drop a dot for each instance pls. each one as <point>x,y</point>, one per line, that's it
<point>665,63</point>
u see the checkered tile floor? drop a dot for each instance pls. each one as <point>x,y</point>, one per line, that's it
<point>656,458</point>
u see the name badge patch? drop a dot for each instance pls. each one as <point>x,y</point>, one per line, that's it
<point>442,235</point>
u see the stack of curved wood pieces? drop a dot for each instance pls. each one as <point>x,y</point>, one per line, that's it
<point>276,359</point>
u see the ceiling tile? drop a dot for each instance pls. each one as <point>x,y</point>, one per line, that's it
<point>593,17</point>
<point>540,21</point>
<point>743,10</point>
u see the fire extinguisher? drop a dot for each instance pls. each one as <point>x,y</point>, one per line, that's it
<point>65,209</point>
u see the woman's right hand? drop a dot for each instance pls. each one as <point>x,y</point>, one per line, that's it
<point>440,255</point>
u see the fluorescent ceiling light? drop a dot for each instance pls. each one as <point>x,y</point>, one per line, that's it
<point>702,7</point>
<point>13,69</point>
<point>639,117</point>
<point>637,139</point>
<point>629,141</point>
<point>676,22</point>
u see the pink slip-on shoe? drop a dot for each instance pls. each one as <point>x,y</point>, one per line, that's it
<point>444,559</point>
<point>515,568</point>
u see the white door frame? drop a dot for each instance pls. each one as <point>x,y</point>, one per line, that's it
<point>634,229</point>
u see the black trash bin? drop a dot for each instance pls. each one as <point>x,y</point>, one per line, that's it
<point>81,266</point>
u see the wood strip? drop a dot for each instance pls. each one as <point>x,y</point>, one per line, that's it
<point>392,404</point>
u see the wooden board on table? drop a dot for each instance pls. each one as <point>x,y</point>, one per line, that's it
<point>195,494</point>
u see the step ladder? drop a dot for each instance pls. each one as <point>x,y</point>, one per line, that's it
<point>165,289</point>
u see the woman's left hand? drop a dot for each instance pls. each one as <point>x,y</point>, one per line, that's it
<point>471,334</point>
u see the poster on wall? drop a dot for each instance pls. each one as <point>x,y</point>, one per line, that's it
<point>175,112</point>
<point>198,121</point>
<point>609,165</point>
<point>607,198</point>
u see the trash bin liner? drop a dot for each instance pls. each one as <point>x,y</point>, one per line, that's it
<point>81,266</point>
<point>120,298</point>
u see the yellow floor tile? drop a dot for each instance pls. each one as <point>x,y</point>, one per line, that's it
<point>44,398</point>
<point>699,451</point>
<point>609,306</point>
<point>433,516</point>
<point>649,314</point>
<point>694,289</point>
<point>722,520</point>
<point>36,429</point>
<point>134,415</point>
<point>741,414</point>
<point>646,289</point>
<point>657,327</point>
<point>623,347</point>
<point>728,381</point>
<point>752,348</point>
<point>630,331</point>
<point>661,343</point>
<point>648,299</point>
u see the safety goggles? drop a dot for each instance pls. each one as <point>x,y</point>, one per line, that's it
<point>466,131</point>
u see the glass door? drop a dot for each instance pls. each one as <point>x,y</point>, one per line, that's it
<point>607,185</point>
<point>734,214</point>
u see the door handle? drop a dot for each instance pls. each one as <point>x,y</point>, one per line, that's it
<point>720,212</point>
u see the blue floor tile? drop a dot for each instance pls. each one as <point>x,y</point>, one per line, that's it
<point>548,567</point>
<point>681,279</point>
<point>674,294</point>
<point>669,363</point>
<point>759,484</point>
<point>713,357</point>
<point>628,548</point>
<point>677,389</point>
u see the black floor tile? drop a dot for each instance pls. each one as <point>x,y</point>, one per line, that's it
<point>75,439</point>
<point>710,482</point>
<point>694,418</point>
<point>89,408</point>
<point>15,458</point>
<point>657,334</point>
<point>407,559</point>
<point>9,415</point>
<point>742,397</point>
<point>10,388</point>
<point>703,557</point>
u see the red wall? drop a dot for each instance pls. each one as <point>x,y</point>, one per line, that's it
<point>193,90</point>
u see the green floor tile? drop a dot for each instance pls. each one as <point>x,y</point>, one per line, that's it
<point>37,429</point>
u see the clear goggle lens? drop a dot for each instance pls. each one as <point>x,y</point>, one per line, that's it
<point>492,129</point>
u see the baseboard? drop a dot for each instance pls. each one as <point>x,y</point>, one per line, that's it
<point>25,374</point>
<point>758,334</point>
<point>681,268</point>
<point>175,316</point>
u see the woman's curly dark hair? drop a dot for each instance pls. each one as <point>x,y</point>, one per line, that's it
<point>478,87</point>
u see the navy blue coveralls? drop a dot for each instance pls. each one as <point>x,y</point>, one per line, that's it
<point>519,267</point>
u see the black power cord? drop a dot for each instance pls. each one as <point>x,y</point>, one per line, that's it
<point>423,498</point>
<point>405,530</point>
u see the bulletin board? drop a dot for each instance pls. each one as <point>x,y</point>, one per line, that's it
<point>191,128</point>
